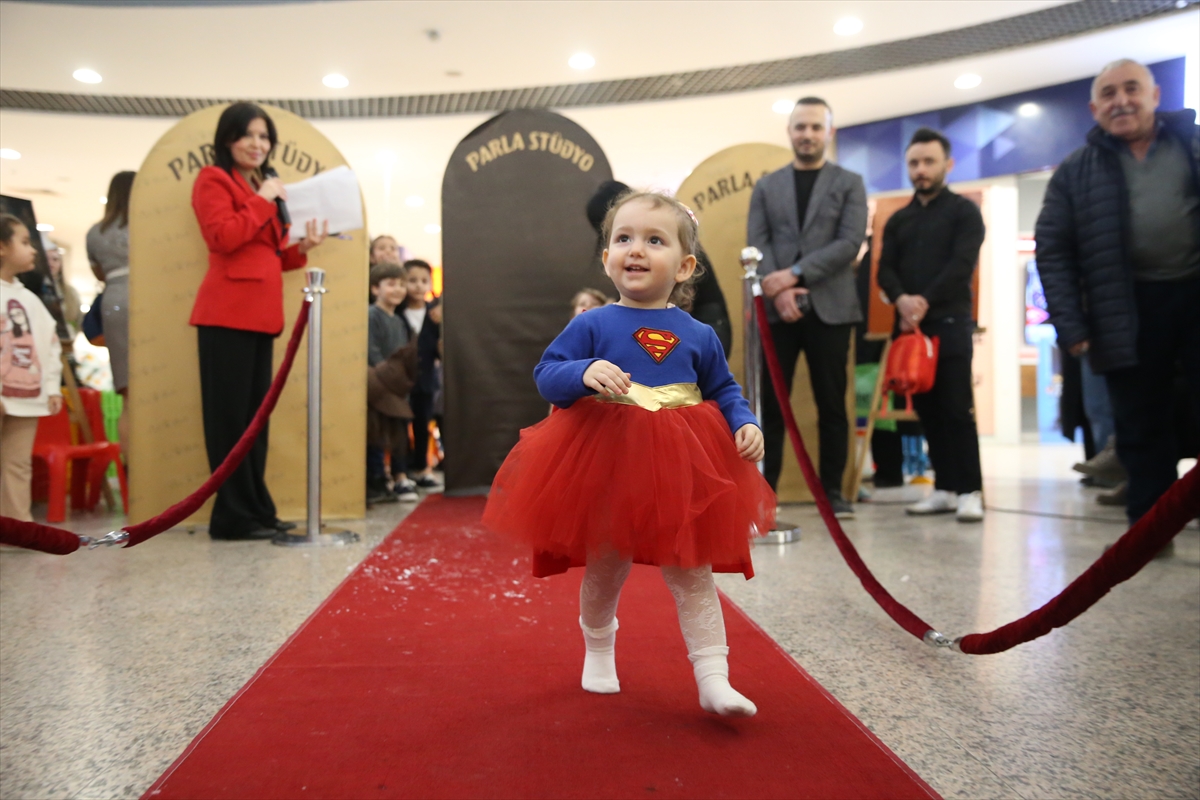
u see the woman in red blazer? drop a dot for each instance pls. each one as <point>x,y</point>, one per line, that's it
<point>239,309</point>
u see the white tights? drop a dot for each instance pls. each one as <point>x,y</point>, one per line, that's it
<point>700,620</point>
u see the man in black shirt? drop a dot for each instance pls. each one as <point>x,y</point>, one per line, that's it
<point>930,249</point>
<point>808,219</point>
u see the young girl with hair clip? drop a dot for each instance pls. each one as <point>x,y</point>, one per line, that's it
<point>30,368</point>
<point>655,425</point>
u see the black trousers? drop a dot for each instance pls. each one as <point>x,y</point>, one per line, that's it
<point>826,348</point>
<point>888,455</point>
<point>947,411</point>
<point>1148,430</point>
<point>235,374</point>
<point>422,408</point>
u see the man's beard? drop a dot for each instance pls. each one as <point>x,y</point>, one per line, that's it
<point>933,188</point>
<point>810,158</point>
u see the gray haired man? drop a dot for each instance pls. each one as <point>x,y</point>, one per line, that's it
<point>1118,250</point>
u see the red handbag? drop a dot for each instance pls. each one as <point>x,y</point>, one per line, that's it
<point>911,366</point>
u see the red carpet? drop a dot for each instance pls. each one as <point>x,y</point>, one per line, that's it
<point>440,668</point>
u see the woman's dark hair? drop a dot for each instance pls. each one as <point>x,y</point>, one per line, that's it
<point>116,209</point>
<point>232,125</point>
<point>8,226</point>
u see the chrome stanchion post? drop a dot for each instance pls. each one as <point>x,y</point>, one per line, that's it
<point>784,532</point>
<point>314,291</point>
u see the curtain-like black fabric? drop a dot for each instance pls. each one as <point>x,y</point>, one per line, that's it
<point>516,246</point>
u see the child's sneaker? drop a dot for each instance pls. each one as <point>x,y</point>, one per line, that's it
<point>405,491</point>
<point>427,482</point>
<point>377,492</point>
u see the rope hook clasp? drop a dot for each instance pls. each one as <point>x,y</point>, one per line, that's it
<point>110,539</point>
<point>936,639</point>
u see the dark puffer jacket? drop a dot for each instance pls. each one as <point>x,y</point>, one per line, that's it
<point>1083,245</point>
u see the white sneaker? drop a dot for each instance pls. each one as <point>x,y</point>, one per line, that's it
<point>939,502</point>
<point>970,507</point>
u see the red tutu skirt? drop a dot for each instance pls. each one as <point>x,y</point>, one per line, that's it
<point>664,487</point>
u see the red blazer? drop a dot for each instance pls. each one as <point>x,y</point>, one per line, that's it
<point>243,287</point>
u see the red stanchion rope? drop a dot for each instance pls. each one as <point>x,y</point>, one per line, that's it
<point>903,617</point>
<point>34,536</point>
<point>1122,561</point>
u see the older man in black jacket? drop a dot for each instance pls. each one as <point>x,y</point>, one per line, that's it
<point>1118,250</point>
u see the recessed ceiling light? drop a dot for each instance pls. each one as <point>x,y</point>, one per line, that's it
<point>335,81</point>
<point>386,157</point>
<point>432,228</point>
<point>783,106</point>
<point>847,26</point>
<point>45,227</point>
<point>414,201</point>
<point>968,80</point>
<point>103,201</point>
<point>1181,3</point>
<point>581,61</point>
<point>1029,109</point>
<point>9,153</point>
<point>86,76</point>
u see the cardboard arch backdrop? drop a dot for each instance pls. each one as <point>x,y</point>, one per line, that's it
<point>516,246</point>
<point>718,191</point>
<point>168,259</point>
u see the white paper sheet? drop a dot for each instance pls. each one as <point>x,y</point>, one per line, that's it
<point>331,195</point>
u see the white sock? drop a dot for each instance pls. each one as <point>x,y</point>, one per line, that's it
<point>711,667</point>
<point>600,660</point>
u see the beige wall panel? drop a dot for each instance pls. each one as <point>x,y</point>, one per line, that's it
<point>168,259</point>
<point>718,190</point>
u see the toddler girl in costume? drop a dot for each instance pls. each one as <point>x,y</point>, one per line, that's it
<point>654,425</point>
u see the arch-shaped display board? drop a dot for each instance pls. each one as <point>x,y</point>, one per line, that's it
<point>167,260</point>
<point>516,246</point>
<point>718,191</point>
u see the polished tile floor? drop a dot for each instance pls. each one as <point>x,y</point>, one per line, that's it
<point>112,660</point>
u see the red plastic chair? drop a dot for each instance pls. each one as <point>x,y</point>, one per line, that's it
<point>90,461</point>
<point>94,410</point>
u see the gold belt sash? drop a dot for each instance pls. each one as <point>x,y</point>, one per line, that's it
<point>653,398</point>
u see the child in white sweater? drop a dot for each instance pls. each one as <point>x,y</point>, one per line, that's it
<point>30,368</point>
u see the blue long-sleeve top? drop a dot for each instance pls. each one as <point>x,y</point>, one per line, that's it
<point>611,333</point>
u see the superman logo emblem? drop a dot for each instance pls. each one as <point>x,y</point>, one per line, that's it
<point>658,344</point>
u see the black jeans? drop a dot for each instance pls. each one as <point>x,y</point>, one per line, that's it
<point>422,408</point>
<point>826,348</point>
<point>1168,341</point>
<point>235,374</point>
<point>947,411</point>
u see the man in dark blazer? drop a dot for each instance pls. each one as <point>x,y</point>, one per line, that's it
<point>808,220</point>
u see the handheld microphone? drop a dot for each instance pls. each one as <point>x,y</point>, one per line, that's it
<point>280,203</point>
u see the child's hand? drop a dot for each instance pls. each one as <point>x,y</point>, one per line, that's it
<point>749,441</point>
<point>606,378</point>
<point>55,403</point>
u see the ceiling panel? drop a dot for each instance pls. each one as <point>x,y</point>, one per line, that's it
<point>284,50</point>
